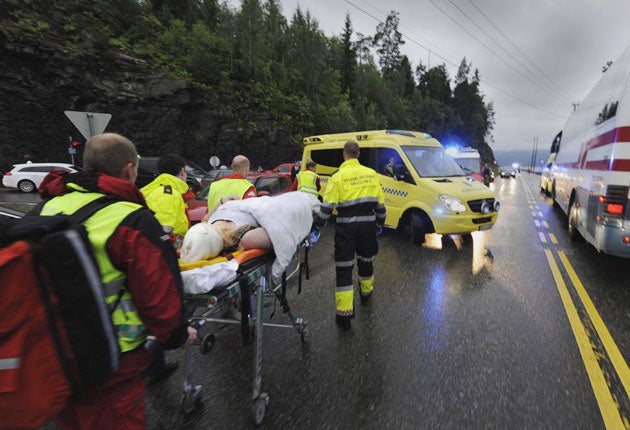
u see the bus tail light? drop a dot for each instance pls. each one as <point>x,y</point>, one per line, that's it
<point>614,209</point>
<point>625,240</point>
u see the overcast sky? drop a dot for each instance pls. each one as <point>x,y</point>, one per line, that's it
<point>535,58</point>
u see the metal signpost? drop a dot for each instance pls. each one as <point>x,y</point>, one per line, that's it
<point>88,123</point>
<point>214,161</point>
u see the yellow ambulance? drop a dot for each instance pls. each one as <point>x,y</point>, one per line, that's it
<point>426,191</point>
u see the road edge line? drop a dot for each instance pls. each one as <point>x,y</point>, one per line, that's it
<point>607,406</point>
<point>616,358</point>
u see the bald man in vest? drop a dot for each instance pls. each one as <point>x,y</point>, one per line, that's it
<point>140,275</point>
<point>232,187</point>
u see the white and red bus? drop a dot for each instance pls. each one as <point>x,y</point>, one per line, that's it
<point>591,174</point>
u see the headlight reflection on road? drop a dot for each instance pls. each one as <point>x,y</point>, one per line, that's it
<point>433,308</point>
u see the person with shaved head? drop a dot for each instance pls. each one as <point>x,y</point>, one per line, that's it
<point>232,187</point>
<point>139,273</point>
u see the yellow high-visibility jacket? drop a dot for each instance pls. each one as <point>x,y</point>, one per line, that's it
<point>164,197</point>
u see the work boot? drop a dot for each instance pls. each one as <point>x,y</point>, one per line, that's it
<point>365,298</point>
<point>343,322</point>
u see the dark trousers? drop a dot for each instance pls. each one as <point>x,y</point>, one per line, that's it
<point>352,239</point>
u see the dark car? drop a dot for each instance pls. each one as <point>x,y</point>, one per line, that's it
<point>215,174</point>
<point>507,172</point>
<point>8,213</point>
<point>267,184</point>
<point>147,171</point>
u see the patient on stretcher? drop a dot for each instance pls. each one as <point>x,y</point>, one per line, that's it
<point>276,223</point>
<point>226,230</point>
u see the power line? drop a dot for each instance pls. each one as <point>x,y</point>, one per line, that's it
<point>457,66</point>
<point>507,52</point>
<point>519,50</point>
<point>484,45</point>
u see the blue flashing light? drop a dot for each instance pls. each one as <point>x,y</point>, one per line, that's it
<point>452,150</point>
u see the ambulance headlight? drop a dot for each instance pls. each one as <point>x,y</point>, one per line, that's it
<point>452,203</point>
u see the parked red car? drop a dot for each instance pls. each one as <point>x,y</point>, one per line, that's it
<point>287,169</point>
<point>267,184</point>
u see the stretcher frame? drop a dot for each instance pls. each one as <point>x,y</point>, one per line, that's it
<point>254,282</point>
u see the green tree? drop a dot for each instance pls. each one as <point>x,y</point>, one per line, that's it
<point>475,117</point>
<point>435,84</point>
<point>348,60</point>
<point>362,47</point>
<point>388,41</point>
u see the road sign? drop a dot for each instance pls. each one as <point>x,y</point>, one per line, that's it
<point>89,123</point>
<point>214,161</point>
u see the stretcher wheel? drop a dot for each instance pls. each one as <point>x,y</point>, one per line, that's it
<point>259,408</point>
<point>207,342</point>
<point>191,400</point>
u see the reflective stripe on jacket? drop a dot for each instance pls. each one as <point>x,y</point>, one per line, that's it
<point>356,192</point>
<point>164,198</point>
<point>225,187</point>
<point>100,226</point>
<point>307,182</point>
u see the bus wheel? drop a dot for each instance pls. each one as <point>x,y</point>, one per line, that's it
<point>572,223</point>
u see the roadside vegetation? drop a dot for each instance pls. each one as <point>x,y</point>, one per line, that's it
<point>310,82</point>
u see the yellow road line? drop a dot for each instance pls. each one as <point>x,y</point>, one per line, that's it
<point>553,238</point>
<point>607,406</point>
<point>617,360</point>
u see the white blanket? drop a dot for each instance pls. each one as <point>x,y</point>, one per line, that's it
<point>287,218</point>
<point>204,279</point>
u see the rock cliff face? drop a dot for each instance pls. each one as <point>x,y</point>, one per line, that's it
<point>40,78</point>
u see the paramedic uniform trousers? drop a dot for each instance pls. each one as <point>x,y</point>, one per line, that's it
<point>355,238</point>
<point>116,404</point>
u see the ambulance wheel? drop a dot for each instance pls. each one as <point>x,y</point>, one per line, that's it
<point>207,342</point>
<point>258,410</point>
<point>414,228</point>
<point>572,223</point>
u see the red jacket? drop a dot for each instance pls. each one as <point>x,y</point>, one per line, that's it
<point>139,248</point>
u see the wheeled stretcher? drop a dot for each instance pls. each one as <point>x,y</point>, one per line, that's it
<point>241,302</point>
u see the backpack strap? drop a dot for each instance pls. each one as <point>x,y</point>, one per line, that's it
<point>91,208</point>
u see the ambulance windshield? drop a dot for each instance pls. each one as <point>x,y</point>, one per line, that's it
<point>432,162</point>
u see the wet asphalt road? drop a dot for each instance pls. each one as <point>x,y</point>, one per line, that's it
<point>457,335</point>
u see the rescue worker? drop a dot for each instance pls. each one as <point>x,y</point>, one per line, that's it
<point>389,167</point>
<point>357,194</point>
<point>234,184</point>
<point>139,270</point>
<point>307,180</point>
<point>166,196</point>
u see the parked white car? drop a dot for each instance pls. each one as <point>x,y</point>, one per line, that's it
<point>27,177</point>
